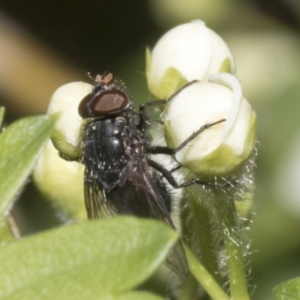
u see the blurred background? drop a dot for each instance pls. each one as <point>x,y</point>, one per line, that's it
<point>44,44</point>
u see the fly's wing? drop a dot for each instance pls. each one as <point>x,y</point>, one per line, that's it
<point>176,259</point>
<point>95,205</point>
<point>137,194</point>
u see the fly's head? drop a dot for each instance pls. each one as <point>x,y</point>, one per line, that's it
<point>107,98</point>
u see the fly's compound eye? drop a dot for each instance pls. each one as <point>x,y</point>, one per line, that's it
<point>103,103</point>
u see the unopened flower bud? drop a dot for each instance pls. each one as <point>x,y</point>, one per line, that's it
<point>61,181</point>
<point>185,53</point>
<point>221,148</point>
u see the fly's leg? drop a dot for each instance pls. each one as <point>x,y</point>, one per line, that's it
<point>171,171</point>
<point>169,177</point>
<point>168,151</point>
<point>142,110</point>
<point>175,169</point>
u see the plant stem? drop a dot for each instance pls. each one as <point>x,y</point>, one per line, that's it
<point>231,233</point>
<point>204,277</point>
<point>205,237</point>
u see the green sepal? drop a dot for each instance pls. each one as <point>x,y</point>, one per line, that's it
<point>172,80</point>
<point>66,150</point>
<point>226,66</point>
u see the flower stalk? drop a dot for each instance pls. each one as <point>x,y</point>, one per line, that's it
<point>228,222</point>
<point>198,232</point>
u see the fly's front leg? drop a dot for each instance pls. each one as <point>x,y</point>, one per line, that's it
<point>143,116</point>
<point>169,151</point>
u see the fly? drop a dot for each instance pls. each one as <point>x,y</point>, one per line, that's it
<point>120,177</point>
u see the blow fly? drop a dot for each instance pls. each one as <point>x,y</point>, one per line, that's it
<point>120,176</point>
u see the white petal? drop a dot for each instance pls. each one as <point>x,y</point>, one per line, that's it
<point>199,104</point>
<point>200,97</point>
<point>187,48</point>
<point>238,134</point>
<point>231,82</point>
<point>220,52</point>
<point>236,128</point>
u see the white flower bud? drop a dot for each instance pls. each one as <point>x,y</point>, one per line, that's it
<point>221,148</point>
<point>59,180</point>
<point>186,52</point>
<point>64,103</point>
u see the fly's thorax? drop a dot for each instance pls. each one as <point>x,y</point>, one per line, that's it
<point>103,144</point>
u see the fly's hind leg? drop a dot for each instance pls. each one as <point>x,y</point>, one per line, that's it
<point>169,177</point>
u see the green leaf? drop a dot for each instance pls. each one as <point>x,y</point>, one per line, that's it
<point>20,146</point>
<point>288,290</point>
<point>2,110</point>
<point>93,260</point>
<point>6,234</point>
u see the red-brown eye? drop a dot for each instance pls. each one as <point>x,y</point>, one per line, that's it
<point>102,103</point>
